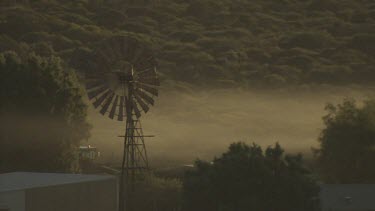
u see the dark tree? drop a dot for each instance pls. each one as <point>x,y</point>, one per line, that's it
<point>246,178</point>
<point>347,142</point>
<point>43,114</point>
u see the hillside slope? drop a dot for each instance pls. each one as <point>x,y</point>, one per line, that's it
<point>261,43</point>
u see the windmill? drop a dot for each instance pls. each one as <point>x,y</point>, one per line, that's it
<point>122,85</point>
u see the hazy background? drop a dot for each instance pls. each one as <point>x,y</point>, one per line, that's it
<point>190,124</point>
<point>259,44</point>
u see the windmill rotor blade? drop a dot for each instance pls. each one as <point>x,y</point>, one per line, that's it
<point>150,81</point>
<point>150,72</point>
<point>136,109</point>
<point>93,93</point>
<point>102,61</point>
<point>148,89</point>
<point>106,104</point>
<point>137,54</point>
<point>103,55</point>
<point>91,77</point>
<point>121,45</point>
<point>143,105</point>
<point>140,72</point>
<point>121,109</point>
<point>93,84</point>
<point>124,47</point>
<point>114,108</point>
<point>101,99</point>
<point>110,70</point>
<point>107,51</point>
<point>144,96</point>
<point>145,63</point>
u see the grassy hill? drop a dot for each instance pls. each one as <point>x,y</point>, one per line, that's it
<point>256,43</point>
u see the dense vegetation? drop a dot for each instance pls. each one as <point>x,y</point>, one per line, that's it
<point>347,152</point>
<point>246,178</point>
<point>255,43</point>
<point>243,178</point>
<point>155,193</point>
<point>43,115</point>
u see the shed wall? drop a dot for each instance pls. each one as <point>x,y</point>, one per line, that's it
<point>85,196</point>
<point>12,200</point>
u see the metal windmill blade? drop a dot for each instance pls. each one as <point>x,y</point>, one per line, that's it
<point>124,80</point>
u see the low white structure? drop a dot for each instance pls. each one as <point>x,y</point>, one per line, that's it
<point>26,191</point>
<point>348,197</point>
<point>88,153</point>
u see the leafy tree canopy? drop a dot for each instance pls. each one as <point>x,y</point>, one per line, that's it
<point>246,178</point>
<point>347,143</point>
<point>43,114</point>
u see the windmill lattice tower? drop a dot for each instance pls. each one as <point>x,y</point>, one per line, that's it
<point>123,85</point>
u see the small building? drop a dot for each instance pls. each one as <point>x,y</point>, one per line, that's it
<point>87,157</point>
<point>347,197</point>
<point>88,153</point>
<point>27,191</point>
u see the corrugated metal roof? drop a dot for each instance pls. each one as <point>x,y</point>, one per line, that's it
<point>27,180</point>
<point>348,197</point>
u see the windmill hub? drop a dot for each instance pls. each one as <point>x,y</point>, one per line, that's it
<point>125,77</point>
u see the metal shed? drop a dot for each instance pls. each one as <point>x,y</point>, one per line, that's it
<point>27,191</point>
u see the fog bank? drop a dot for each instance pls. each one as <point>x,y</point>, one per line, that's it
<point>190,124</point>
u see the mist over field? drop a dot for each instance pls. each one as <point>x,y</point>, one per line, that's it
<point>222,81</point>
<point>258,44</point>
<point>190,124</point>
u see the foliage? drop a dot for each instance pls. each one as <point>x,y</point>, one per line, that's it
<point>347,143</point>
<point>325,32</point>
<point>308,40</point>
<point>43,114</point>
<point>364,42</point>
<point>246,178</point>
<point>157,193</point>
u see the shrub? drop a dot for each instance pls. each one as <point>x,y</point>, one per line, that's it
<point>308,40</point>
<point>274,80</point>
<point>248,178</point>
<point>42,48</point>
<point>185,36</point>
<point>364,43</point>
<point>109,18</point>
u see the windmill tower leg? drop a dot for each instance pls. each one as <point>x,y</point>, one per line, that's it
<point>122,187</point>
<point>134,163</point>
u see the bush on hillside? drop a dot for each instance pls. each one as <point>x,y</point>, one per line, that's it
<point>308,40</point>
<point>364,43</point>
